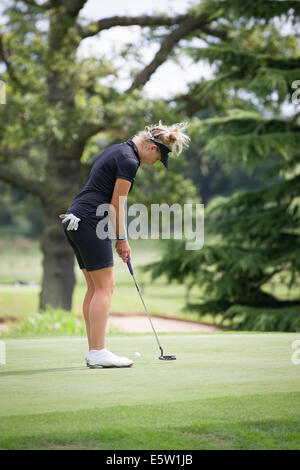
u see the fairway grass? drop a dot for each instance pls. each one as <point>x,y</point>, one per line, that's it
<point>224,391</point>
<point>21,260</point>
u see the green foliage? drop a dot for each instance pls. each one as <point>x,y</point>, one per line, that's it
<point>227,276</point>
<point>224,178</point>
<point>263,319</point>
<point>259,10</point>
<point>248,136</point>
<point>153,187</point>
<point>47,323</point>
<point>255,57</point>
<point>51,322</point>
<point>20,213</point>
<point>257,233</point>
<point>59,100</point>
<point>252,235</point>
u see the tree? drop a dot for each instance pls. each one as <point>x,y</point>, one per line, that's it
<point>215,177</point>
<point>56,106</point>
<point>254,235</point>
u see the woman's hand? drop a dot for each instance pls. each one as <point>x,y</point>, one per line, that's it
<point>123,249</point>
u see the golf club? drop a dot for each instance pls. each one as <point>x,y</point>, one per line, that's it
<point>162,356</point>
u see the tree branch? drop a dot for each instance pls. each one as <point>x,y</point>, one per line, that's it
<point>86,131</point>
<point>218,33</point>
<point>73,7</point>
<point>22,151</point>
<point>33,187</point>
<point>8,63</point>
<point>143,20</point>
<point>266,277</point>
<point>195,100</point>
<point>10,69</point>
<point>185,28</point>
<point>43,6</point>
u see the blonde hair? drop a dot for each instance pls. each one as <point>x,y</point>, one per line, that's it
<point>172,136</point>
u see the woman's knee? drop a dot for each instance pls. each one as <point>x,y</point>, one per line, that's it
<point>103,280</point>
<point>89,281</point>
<point>104,291</point>
<point>90,290</point>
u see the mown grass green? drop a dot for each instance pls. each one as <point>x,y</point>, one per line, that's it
<point>224,391</point>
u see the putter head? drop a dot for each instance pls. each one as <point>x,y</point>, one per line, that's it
<point>167,358</point>
<point>162,357</point>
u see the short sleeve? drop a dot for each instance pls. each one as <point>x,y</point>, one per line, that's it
<point>126,168</point>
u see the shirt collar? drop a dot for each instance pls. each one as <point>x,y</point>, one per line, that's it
<point>135,149</point>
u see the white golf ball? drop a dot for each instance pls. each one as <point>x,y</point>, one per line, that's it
<point>137,354</point>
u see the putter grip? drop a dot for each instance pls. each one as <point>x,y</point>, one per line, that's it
<point>129,266</point>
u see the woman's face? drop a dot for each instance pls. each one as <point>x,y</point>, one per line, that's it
<point>151,154</point>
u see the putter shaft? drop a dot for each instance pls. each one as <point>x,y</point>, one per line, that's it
<point>149,318</point>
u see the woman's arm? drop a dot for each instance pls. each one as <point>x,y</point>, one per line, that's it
<point>118,200</point>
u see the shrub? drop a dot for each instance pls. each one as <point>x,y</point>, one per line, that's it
<point>51,322</point>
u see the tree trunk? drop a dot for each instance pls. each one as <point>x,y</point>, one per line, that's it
<point>58,263</point>
<point>63,172</point>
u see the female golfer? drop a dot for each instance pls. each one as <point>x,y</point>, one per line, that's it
<point>111,179</point>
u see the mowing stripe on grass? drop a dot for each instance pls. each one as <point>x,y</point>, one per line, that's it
<point>46,375</point>
<point>249,422</point>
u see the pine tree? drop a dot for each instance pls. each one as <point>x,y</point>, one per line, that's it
<point>253,236</point>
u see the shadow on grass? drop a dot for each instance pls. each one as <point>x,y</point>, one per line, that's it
<point>39,371</point>
<point>61,369</point>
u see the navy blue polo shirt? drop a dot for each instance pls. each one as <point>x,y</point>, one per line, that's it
<point>117,161</point>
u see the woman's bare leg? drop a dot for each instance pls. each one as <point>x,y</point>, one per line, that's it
<point>103,280</point>
<point>86,303</point>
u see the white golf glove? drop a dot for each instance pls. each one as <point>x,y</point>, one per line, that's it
<point>73,224</point>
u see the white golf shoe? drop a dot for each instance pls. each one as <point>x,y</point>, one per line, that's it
<point>104,358</point>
